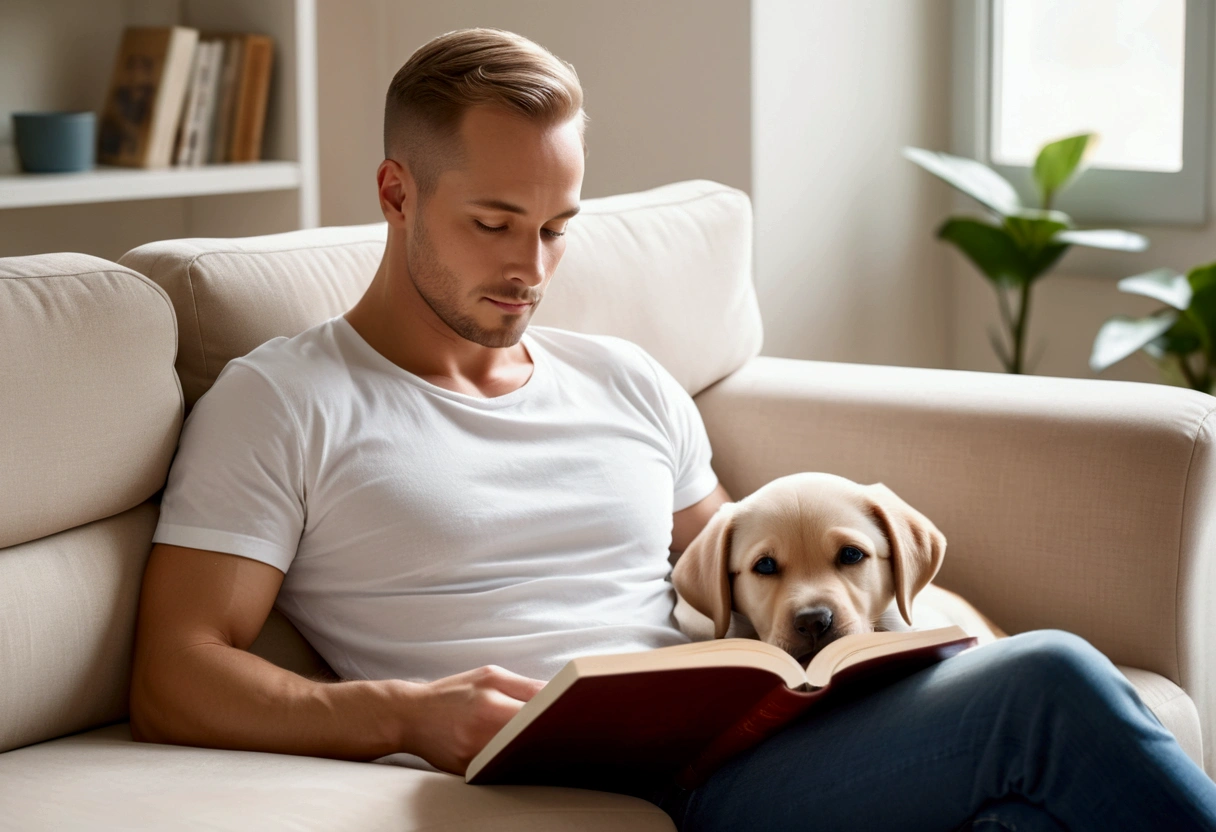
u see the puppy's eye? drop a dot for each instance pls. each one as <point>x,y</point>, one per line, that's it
<point>765,566</point>
<point>850,555</point>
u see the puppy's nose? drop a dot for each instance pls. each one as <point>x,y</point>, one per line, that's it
<point>813,622</point>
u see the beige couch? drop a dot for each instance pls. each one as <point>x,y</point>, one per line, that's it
<point>1084,505</point>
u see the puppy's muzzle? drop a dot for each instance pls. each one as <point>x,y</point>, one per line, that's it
<point>813,622</point>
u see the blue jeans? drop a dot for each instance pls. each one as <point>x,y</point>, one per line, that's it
<point>1031,733</point>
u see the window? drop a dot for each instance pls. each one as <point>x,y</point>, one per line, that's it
<point>1134,71</point>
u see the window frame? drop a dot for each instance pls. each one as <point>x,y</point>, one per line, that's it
<point>1101,196</point>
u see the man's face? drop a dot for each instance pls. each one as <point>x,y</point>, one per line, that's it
<point>458,266</point>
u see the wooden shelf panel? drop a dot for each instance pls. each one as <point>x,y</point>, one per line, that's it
<point>113,184</point>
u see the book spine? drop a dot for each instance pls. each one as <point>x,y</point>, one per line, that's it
<point>190,111</point>
<point>172,95</point>
<point>223,130</point>
<point>210,94</point>
<point>766,717</point>
<point>251,107</point>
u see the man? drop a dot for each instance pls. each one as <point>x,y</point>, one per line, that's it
<point>450,505</point>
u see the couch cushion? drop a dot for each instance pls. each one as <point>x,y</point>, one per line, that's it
<point>67,626</point>
<point>103,774</point>
<point>669,269</point>
<point>629,270</point>
<point>1172,706</point>
<point>92,407</point>
<point>101,779</point>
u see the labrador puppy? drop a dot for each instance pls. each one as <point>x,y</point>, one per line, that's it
<point>811,557</point>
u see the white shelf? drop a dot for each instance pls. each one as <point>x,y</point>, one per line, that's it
<point>112,184</point>
<point>60,56</point>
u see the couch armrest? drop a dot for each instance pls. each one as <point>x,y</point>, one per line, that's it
<point>1079,504</point>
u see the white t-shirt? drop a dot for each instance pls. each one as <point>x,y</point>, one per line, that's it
<point>424,532</point>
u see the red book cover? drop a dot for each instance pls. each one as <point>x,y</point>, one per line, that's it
<point>615,725</point>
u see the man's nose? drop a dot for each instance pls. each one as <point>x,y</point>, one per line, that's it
<point>530,263</point>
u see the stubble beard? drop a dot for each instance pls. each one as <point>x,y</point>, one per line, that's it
<point>439,288</point>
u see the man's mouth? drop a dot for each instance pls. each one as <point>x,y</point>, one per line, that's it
<point>509,307</point>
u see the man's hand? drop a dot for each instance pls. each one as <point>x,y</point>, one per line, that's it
<point>451,719</point>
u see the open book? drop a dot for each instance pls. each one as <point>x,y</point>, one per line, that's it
<point>681,711</point>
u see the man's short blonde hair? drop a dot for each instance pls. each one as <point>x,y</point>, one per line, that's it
<point>444,77</point>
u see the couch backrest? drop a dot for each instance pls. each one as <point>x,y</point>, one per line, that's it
<point>91,412</point>
<point>668,268</point>
<point>93,408</point>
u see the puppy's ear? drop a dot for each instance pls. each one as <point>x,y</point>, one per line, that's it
<point>701,572</point>
<point>917,546</point>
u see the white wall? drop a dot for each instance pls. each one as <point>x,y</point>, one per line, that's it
<point>666,86</point>
<point>847,267</point>
<point>805,105</point>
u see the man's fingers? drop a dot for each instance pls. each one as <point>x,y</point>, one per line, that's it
<point>514,685</point>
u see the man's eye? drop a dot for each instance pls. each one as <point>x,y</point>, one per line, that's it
<point>850,555</point>
<point>495,229</point>
<point>765,566</point>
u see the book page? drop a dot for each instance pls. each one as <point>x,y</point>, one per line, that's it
<point>723,652</point>
<point>859,647</point>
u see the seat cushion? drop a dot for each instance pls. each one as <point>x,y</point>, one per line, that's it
<point>1172,706</point>
<point>102,779</point>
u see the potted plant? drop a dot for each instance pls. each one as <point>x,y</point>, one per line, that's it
<point>1180,338</point>
<point>1013,246</point>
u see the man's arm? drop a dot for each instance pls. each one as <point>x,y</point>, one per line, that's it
<point>195,683</point>
<point>687,524</point>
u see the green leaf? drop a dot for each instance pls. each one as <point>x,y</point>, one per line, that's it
<point>1034,230</point>
<point>1110,238</point>
<point>1165,285</point>
<point>993,251</point>
<point>1180,339</point>
<point>1035,233</point>
<point>1056,162</point>
<point>977,181</point>
<point>1121,336</point>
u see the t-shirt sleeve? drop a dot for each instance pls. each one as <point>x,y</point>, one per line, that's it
<point>694,478</point>
<point>236,482</point>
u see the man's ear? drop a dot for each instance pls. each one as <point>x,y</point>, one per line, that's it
<point>701,573</point>
<point>393,184</point>
<point>917,546</point>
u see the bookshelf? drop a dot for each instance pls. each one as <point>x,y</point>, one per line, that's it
<point>46,64</point>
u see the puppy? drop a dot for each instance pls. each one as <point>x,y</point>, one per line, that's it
<point>811,557</point>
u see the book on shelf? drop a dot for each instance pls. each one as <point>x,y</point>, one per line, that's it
<point>252,89</point>
<point>225,116</point>
<point>679,712</point>
<point>202,148</point>
<point>222,123</point>
<point>144,102</point>
<point>196,120</point>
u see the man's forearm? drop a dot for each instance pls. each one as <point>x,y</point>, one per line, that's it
<point>218,696</point>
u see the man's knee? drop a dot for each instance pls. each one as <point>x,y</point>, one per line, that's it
<point>1049,659</point>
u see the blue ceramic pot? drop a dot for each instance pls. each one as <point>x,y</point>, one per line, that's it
<point>57,142</point>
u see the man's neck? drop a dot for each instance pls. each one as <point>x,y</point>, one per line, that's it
<point>407,332</point>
